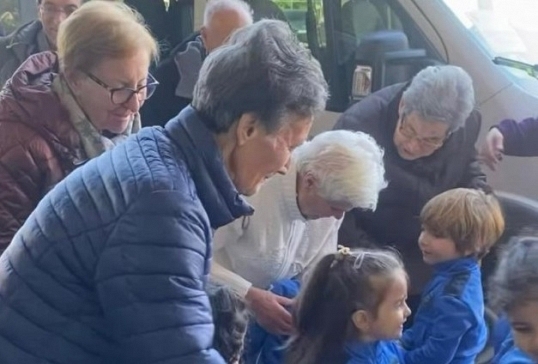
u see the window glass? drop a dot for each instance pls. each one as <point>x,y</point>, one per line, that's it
<point>9,16</point>
<point>507,28</point>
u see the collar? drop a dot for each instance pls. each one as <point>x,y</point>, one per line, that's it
<point>289,193</point>
<point>455,265</point>
<point>221,200</point>
<point>358,349</point>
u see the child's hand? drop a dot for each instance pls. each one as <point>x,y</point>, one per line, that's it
<point>270,310</point>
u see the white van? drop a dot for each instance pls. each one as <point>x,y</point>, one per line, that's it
<point>496,41</point>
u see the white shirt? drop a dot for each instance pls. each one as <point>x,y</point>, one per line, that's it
<point>276,242</point>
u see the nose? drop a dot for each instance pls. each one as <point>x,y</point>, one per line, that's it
<point>285,167</point>
<point>338,214</point>
<point>58,17</point>
<point>407,311</point>
<point>134,103</point>
<point>421,240</point>
<point>413,146</point>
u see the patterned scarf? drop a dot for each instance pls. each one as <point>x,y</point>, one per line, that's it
<point>93,142</point>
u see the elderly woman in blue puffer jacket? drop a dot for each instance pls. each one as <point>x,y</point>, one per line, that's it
<point>111,266</point>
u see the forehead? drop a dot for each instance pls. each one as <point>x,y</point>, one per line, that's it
<point>295,129</point>
<point>426,128</point>
<point>527,312</point>
<point>398,287</point>
<point>62,2</point>
<point>228,20</point>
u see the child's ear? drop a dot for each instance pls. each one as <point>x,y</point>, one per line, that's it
<point>361,320</point>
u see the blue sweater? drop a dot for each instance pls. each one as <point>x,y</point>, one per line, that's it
<point>111,266</point>
<point>449,326</point>
<point>505,350</point>
<point>379,352</point>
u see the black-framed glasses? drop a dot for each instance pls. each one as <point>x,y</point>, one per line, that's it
<point>410,134</point>
<point>122,95</point>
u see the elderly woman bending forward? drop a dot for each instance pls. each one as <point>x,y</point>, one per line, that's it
<point>59,110</point>
<point>111,267</point>
<point>296,220</point>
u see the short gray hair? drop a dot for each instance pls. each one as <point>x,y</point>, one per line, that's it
<point>441,93</point>
<point>263,69</point>
<point>347,165</point>
<point>214,6</point>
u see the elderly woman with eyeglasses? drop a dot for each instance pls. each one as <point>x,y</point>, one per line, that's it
<point>61,109</point>
<point>428,128</point>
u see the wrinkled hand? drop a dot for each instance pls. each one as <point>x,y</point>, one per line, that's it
<point>491,150</point>
<point>270,310</point>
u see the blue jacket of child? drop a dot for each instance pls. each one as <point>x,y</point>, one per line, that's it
<point>505,350</point>
<point>449,326</point>
<point>378,352</point>
<point>262,346</point>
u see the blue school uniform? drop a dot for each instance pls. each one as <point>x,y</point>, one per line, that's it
<point>505,350</point>
<point>263,347</point>
<point>449,326</point>
<point>378,352</point>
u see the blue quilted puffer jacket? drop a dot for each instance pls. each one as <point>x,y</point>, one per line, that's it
<point>111,266</point>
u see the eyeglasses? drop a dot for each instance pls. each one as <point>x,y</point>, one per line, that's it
<point>122,95</point>
<point>409,133</point>
<point>50,9</point>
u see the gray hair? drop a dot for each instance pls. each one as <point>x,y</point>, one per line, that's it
<point>515,281</point>
<point>214,6</point>
<point>348,167</point>
<point>263,69</point>
<point>441,93</point>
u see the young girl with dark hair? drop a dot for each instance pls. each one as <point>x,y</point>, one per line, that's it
<point>352,303</point>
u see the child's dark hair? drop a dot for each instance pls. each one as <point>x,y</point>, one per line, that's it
<point>472,219</point>
<point>341,284</point>
<point>230,317</point>
<point>515,280</point>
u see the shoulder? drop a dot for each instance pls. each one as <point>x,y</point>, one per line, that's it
<point>456,284</point>
<point>18,138</point>
<point>371,111</point>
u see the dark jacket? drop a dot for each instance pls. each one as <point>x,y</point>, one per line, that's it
<point>449,327</point>
<point>38,143</point>
<point>112,265</point>
<point>520,138</point>
<point>16,47</point>
<point>170,97</point>
<point>395,221</point>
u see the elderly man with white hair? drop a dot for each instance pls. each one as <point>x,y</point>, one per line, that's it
<point>178,73</point>
<point>428,128</point>
<point>296,220</point>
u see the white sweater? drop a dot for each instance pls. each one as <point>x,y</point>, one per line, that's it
<point>274,243</point>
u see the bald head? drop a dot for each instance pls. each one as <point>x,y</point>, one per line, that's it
<point>222,18</point>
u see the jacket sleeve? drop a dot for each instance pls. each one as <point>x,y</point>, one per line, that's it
<point>151,278</point>
<point>448,328</point>
<point>226,277</point>
<point>23,174</point>
<point>473,176</point>
<point>520,139</point>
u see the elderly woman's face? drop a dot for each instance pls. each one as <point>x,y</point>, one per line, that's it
<point>262,154</point>
<point>100,92</point>
<point>415,137</point>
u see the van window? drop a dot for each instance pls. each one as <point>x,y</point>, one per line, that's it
<point>354,24</point>
<point>506,28</point>
<point>9,16</point>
